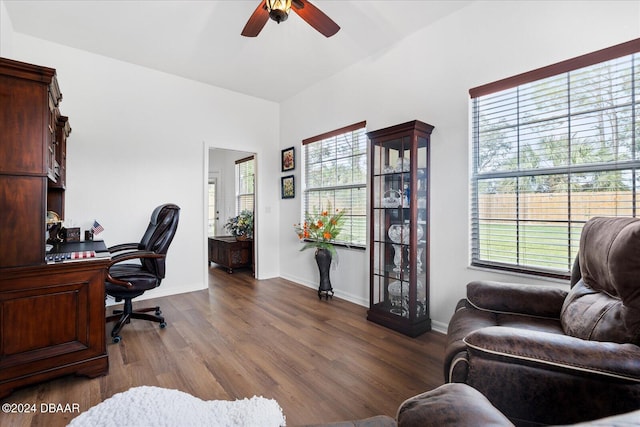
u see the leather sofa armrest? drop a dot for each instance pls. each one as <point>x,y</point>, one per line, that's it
<point>558,352</point>
<point>513,298</point>
<point>376,421</point>
<point>450,404</point>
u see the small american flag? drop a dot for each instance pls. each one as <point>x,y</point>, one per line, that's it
<point>97,228</point>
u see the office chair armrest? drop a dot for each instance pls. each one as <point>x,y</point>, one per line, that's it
<point>119,282</point>
<point>124,247</point>
<point>134,255</point>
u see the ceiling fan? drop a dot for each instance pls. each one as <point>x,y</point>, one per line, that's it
<point>278,10</point>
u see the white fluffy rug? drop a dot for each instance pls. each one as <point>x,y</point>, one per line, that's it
<point>155,406</point>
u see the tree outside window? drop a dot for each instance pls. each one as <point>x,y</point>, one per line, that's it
<point>335,177</point>
<point>550,153</point>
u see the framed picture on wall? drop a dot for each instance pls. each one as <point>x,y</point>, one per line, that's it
<point>288,159</point>
<point>287,187</point>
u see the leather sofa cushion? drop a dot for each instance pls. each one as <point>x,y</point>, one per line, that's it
<point>143,280</point>
<point>469,318</point>
<point>605,304</point>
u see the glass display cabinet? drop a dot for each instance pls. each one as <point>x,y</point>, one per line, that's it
<point>399,235</point>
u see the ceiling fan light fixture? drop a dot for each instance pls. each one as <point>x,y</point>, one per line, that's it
<point>278,9</point>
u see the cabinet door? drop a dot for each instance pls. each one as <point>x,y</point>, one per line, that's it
<point>23,126</point>
<point>392,226</point>
<point>22,222</point>
<point>52,323</point>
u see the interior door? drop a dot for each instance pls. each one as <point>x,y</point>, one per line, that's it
<point>214,214</point>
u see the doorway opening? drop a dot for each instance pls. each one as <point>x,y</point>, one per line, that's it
<point>230,190</point>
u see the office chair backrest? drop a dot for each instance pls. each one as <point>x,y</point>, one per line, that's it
<point>162,227</point>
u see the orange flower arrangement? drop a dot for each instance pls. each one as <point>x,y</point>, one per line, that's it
<point>320,230</point>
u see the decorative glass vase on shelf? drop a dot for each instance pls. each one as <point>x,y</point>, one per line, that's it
<point>399,234</point>
<point>400,300</point>
<point>399,269</point>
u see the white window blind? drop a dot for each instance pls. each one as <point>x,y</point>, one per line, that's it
<point>245,185</point>
<point>551,149</point>
<point>335,176</point>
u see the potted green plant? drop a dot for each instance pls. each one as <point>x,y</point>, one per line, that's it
<point>241,226</point>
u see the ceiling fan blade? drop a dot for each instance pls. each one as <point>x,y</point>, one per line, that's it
<point>315,17</point>
<point>256,21</point>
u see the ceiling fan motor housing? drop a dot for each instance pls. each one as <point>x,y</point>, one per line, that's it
<point>278,15</point>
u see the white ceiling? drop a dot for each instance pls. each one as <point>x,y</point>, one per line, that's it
<point>201,39</point>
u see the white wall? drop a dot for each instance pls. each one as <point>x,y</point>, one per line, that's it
<point>427,77</point>
<point>6,32</point>
<point>140,138</point>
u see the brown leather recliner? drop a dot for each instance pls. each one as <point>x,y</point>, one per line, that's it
<point>542,355</point>
<point>458,405</point>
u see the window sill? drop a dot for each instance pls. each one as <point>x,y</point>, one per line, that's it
<point>341,245</point>
<point>529,276</point>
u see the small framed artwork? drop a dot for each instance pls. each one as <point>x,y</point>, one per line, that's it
<point>287,187</point>
<point>288,159</point>
<point>73,234</point>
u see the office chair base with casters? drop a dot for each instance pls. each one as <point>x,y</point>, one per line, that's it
<point>124,316</point>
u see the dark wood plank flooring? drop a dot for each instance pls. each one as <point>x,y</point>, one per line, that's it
<point>321,360</point>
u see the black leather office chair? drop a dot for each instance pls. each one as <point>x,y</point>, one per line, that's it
<point>126,281</point>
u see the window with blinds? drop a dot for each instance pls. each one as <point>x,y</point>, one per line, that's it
<point>335,177</point>
<point>551,149</point>
<point>245,184</point>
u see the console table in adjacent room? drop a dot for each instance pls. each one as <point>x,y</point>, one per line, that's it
<point>230,252</point>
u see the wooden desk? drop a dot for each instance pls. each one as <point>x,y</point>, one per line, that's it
<point>53,322</point>
<point>230,252</point>
<point>52,318</point>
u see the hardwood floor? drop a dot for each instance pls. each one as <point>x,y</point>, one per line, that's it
<point>321,360</point>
